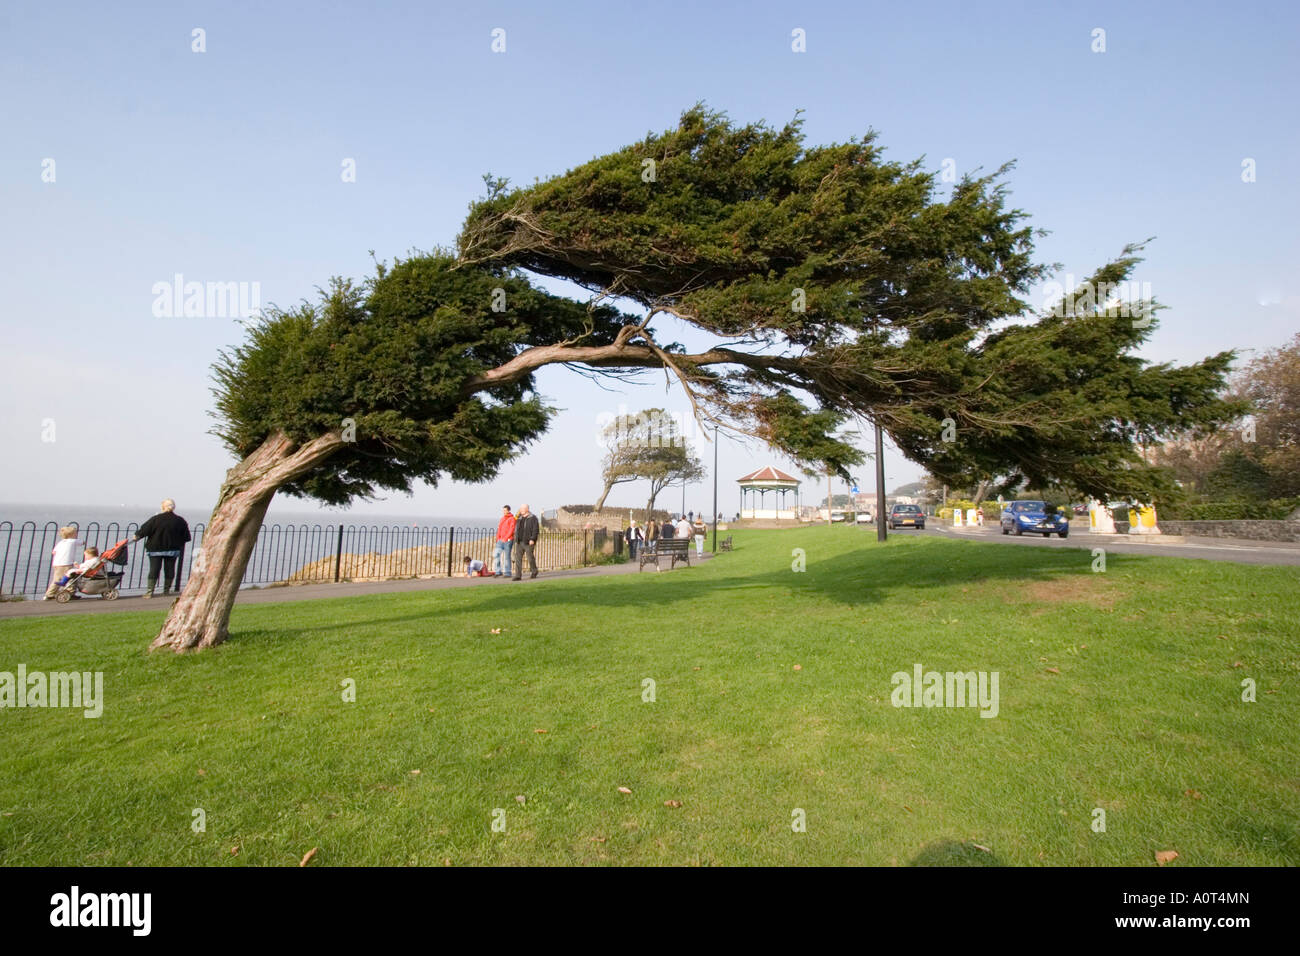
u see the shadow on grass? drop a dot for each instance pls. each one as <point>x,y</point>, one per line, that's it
<point>869,575</point>
<point>951,853</point>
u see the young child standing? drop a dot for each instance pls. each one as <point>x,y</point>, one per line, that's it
<point>64,557</point>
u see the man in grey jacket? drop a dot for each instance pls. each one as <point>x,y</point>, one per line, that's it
<point>526,531</point>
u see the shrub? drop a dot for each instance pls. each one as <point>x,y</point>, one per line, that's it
<point>1275,510</point>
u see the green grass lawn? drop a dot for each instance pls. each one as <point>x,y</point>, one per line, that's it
<point>1118,690</point>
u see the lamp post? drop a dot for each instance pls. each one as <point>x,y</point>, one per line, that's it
<point>881,533</point>
<point>715,488</point>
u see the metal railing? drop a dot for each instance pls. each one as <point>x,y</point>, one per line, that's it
<point>299,553</point>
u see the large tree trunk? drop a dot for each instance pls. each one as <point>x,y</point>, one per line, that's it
<point>603,495</point>
<point>201,615</point>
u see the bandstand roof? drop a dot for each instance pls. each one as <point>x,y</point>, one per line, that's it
<point>768,476</point>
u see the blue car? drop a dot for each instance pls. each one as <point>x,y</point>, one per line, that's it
<point>1034,517</point>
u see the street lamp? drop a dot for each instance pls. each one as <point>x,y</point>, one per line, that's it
<point>715,488</point>
<point>881,533</point>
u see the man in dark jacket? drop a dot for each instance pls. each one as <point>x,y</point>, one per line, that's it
<point>166,534</point>
<point>526,531</point>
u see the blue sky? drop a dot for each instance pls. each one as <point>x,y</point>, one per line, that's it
<point>226,165</point>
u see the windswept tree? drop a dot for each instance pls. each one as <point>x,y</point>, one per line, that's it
<point>406,378</point>
<point>647,446</point>
<point>833,283</point>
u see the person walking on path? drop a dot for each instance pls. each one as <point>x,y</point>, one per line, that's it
<point>634,539</point>
<point>64,558</point>
<point>165,533</point>
<point>700,530</point>
<point>505,543</point>
<point>683,529</point>
<point>526,531</point>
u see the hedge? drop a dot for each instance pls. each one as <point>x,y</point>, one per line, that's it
<point>1275,510</point>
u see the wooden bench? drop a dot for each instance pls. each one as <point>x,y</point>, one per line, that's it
<point>675,549</point>
<point>726,544</point>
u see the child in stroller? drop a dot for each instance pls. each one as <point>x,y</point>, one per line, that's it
<point>92,577</point>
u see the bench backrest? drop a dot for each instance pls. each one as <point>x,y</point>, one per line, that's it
<point>668,545</point>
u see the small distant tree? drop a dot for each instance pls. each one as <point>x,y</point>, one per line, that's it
<point>630,440</point>
<point>669,465</point>
<point>1271,383</point>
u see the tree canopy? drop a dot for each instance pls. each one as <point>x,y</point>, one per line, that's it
<point>839,283</point>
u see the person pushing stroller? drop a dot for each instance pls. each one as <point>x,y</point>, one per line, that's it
<point>165,533</point>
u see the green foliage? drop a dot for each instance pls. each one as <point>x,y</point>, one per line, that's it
<point>393,355</point>
<point>1237,477</point>
<point>1275,510</point>
<point>871,294</point>
<point>840,285</point>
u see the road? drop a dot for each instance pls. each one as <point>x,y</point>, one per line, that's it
<point>1207,549</point>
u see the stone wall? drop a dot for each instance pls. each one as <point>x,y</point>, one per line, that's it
<point>1288,530</point>
<point>613,519</point>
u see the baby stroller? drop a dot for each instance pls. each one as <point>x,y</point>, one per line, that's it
<point>96,578</point>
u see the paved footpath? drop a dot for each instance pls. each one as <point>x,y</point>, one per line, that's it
<point>1236,550</point>
<point>312,592</point>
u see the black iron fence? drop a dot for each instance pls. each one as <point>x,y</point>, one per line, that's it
<point>299,554</point>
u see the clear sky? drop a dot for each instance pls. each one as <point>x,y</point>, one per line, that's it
<point>227,166</point>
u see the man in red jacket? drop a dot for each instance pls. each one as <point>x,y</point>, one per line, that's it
<point>505,541</point>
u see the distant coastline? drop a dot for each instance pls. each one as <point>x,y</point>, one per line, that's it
<point>60,513</point>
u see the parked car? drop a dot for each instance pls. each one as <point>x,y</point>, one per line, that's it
<point>864,517</point>
<point>906,516</point>
<point>1081,510</point>
<point>1036,517</point>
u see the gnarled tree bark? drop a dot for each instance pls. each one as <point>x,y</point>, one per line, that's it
<point>200,616</point>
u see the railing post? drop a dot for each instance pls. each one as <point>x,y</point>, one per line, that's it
<point>338,555</point>
<point>451,541</point>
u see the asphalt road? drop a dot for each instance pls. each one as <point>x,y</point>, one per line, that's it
<point>1206,549</point>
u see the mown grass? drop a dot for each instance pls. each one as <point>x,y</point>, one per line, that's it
<point>1145,718</point>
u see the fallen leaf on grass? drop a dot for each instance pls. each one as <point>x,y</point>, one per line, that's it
<point>598,839</point>
<point>1166,856</point>
<point>1194,794</point>
<point>1053,670</point>
<point>624,790</point>
<point>798,667</point>
<point>672,803</point>
<point>979,847</point>
<point>1238,664</point>
<point>538,730</point>
<point>496,630</point>
<point>521,799</point>
<point>234,851</point>
<point>694,668</point>
<point>310,853</point>
<point>414,772</point>
<point>907,808</point>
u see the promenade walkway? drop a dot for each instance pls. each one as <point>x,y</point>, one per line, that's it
<point>314,592</point>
